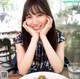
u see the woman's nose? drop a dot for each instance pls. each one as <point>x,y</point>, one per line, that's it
<point>35,21</point>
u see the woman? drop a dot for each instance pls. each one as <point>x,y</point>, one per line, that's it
<point>39,47</point>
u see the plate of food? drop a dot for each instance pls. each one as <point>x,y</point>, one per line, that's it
<point>43,75</point>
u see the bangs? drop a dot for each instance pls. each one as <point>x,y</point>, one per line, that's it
<point>34,9</point>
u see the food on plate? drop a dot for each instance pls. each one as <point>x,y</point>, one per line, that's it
<point>42,77</point>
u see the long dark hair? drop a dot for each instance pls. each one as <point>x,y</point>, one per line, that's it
<point>37,4</point>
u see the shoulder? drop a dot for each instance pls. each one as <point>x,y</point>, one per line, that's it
<point>60,36</point>
<point>18,39</point>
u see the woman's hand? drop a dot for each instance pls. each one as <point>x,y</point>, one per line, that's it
<point>30,30</point>
<point>47,27</point>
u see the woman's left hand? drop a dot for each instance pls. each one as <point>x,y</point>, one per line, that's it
<point>47,26</point>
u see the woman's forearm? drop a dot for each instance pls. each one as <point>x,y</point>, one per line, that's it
<point>54,59</point>
<point>28,57</point>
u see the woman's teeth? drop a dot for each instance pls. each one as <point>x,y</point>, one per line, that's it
<point>38,27</point>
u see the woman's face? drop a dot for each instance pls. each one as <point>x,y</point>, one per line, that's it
<point>36,21</point>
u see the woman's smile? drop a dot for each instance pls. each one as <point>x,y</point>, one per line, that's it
<point>37,28</point>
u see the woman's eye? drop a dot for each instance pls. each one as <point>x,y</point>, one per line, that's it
<point>40,14</point>
<point>28,17</point>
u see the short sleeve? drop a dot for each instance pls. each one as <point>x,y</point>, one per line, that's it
<point>18,40</point>
<point>60,36</point>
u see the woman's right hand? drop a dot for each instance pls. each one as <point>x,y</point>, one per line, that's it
<point>30,30</point>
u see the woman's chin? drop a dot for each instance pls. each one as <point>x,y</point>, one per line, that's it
<point>38,32</point>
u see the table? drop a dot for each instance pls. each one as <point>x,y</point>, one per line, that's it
<point>17,76</point>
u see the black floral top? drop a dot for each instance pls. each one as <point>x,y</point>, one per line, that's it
<point>40,62</point>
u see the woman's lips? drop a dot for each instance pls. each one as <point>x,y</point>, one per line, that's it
<point>37,28</point>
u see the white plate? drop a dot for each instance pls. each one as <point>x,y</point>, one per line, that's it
<point>48,75</point>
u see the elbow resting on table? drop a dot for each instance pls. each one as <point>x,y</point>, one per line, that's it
<point>22,72</point>
<point>59,69</point>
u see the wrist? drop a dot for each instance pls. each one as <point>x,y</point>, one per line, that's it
<point>35,37</point>
<point>42,36</point>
